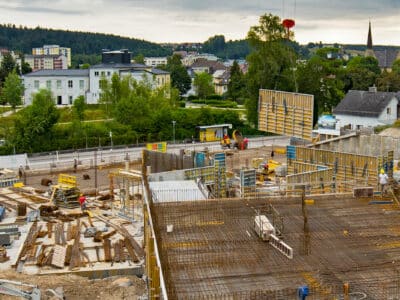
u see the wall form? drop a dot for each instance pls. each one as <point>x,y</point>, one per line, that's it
<point>305,166</point>
<point>371,145</point>
<point>286,113</point>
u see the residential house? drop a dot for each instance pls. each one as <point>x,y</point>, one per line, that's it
<point>220,81</point>
<point>155,61</point>
<point>47,62</point>
<point>219,72</point>
<point>155,77</point>
<point>66,85</point>
<point>370,108</point>
<point>53,50</point>
<point>190,59</point>
<point>208,66</point>
<point>105,71</point>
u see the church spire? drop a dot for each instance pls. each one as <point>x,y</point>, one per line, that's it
<point>369,42</point>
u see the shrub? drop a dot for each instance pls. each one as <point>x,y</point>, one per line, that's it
<point>192,97</point>
<point>214,97</point>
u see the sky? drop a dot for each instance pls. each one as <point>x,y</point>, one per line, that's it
<point>179,21</point>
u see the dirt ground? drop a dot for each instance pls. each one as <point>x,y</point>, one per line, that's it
<point>235,160</point>
<point>76,287</point>
<point>79,288</point>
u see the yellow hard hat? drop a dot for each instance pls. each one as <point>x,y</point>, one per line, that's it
<point>382,171</point>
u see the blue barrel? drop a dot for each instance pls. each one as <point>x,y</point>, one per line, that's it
<point>200,159</point>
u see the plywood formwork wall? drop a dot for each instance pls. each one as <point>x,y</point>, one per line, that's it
<point>286,113</point>
<point>346,167</point>
<point>318,180</point>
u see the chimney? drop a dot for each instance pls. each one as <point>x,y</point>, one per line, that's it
<point>372,89</point>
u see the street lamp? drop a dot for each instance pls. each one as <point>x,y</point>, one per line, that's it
<point>173,130</point>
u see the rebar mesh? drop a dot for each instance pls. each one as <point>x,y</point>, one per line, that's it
<point>213,251</point>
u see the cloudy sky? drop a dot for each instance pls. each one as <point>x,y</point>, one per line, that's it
<point>342,21</point>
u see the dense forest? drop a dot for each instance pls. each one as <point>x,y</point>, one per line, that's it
<point>86,47</point>
<point>24,39</point>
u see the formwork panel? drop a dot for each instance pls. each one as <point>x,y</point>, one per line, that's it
<point>286,113</point>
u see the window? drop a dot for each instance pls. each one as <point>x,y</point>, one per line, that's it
<point>59,84</point>
<point>48,84</point>
<point>108,73</point>
<point>96,73</point>
<point>103,73</point>
<point>81,84</point>
<point>70,99</point>
<point>70,85</point>
<point>388,110</point>
<point>36,84</point>
<point>59,100</point>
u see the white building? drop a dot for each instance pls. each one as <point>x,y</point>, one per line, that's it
<point>360,109</point>
<point>66,85</point>
<point>155,61</point>
<point>100,71</point>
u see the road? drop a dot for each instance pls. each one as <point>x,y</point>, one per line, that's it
<point>88,158</point>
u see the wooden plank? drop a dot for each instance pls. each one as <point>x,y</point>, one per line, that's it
<point>75,261</point>
<point>107,250</point>
<point>68,254</point>
<point>117,254</point>
<point>131,250</point>
<point>59,254</point>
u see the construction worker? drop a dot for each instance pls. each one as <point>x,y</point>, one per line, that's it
<point>266,169</point>
<point>82,202</point>
<point>383,181</point>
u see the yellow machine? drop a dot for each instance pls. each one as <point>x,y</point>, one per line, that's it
<point>264,168</point>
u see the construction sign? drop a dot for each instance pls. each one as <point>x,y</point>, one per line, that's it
<point>286,113</point>
<point>160,147</point>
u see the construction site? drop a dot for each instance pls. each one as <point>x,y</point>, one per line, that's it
<point>286,220</point>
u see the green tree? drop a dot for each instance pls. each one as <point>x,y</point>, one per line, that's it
<point>271,63</point>
<point>396,66</point>
<point>236,83</point>
<point>203,84</point>
<point>7,65</point>
<point>322,77</point>
<point>180,78</point>
<point>388,81</point>
<point>34,126</point>
<point>362,72</point>
<point>216,45</point>
<point>12,90</point>
<point>139,59</point>
<point>78,108</point>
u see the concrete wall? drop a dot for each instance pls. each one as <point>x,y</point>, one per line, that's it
<point>371,145</point>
